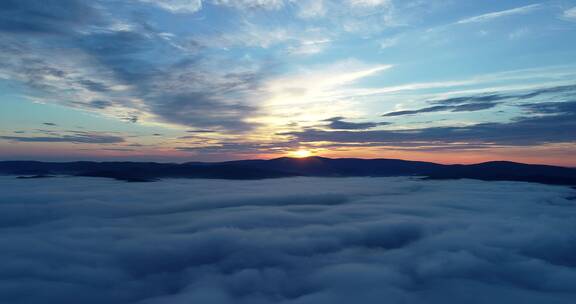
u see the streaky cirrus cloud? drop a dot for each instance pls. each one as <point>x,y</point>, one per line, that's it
<point>177,6</point>
<point>495,15</point>
<point>75,137</point>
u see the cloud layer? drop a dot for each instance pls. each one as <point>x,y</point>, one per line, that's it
<point>302,240</point>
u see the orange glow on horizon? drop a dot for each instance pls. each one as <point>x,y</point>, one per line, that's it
<point>301,153</point>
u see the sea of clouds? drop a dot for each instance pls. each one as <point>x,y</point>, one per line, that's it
<point>290,241</point>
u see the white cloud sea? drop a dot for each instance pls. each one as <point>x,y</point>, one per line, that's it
<point>289,241</point>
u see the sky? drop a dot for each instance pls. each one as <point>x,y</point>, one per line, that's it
<point>180,80</point>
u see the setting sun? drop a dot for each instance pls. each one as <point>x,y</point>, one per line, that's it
<point>301,153</point>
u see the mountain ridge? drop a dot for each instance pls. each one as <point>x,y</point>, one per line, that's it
<point>291,167</point>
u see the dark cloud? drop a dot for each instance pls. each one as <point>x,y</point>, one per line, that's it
<point>51,124</point>
<point>424,110</point>
<point>132,118</point>
<point>100,104</point>
<point>123,52</point>
<point>174,81</point>
<point>490,98</point>
<point>469,107</point>
<point>338,123</point>
<point>78,137</point>
<point>483,101</point>
<point>557,126</point>
<point>228,147</point>
<point>289,241</point>
<point>199,109</point>
<point>494,97</point>
<point>553,108</point>
<point>179,92</point>
<point>94,86</point>
<point>551,90</point>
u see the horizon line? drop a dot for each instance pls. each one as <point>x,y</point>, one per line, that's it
<point>283,157</point>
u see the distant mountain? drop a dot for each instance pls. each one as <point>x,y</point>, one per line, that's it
<point>137,171</point>
<point>290,167</point>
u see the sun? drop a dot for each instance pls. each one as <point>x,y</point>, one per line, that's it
<point>301,153</point>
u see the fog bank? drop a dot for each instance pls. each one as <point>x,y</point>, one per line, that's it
<point>289,241</point>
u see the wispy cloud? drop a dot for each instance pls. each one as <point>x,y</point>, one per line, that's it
<point>531,79</point>
<point>570,14</point>
<point>495,15</point>
<point>310,47</point>
<point>177,6</point>
<point>252,4</point>
<point>388,43</point>
<point>308,94</point>
<point>79,137</point>
<point>339,123</point>
<point>469,107</point>
<point>370,3</point>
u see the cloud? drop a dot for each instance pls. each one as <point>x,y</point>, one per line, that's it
<point>78,137</point>
<point>50,124</point>
<point>200,110</point>
<point>289,241</point>
<point>369,3</point>
<point>114,70</point>
<point>548,91</point>
<point>552,108</point>
<point>424,110</point>
<point>225,147</point>
<point>251,4</point>
<point>338,123</point>
<point>309,47</point>
<point>469,107</point>
<point>311,8</point>
<point>473,99</point>
<point>177,6</point>
<point>553,125</point>
<point>189,92</point>
<point>100,104</point>
<point>117,59</point>
<point>388,43</point>
<point>519,33</point>
<point>192,6</point>
<point>570,13</point>
<point>495,15</point>
<point>481,102</point>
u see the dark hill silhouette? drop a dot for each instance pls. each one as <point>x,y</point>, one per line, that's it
<point>289,167</point>
<point>320,166</point>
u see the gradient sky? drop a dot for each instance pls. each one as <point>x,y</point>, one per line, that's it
<point>452,81</point>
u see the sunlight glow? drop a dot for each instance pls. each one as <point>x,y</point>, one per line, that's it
<point>302,153</point>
